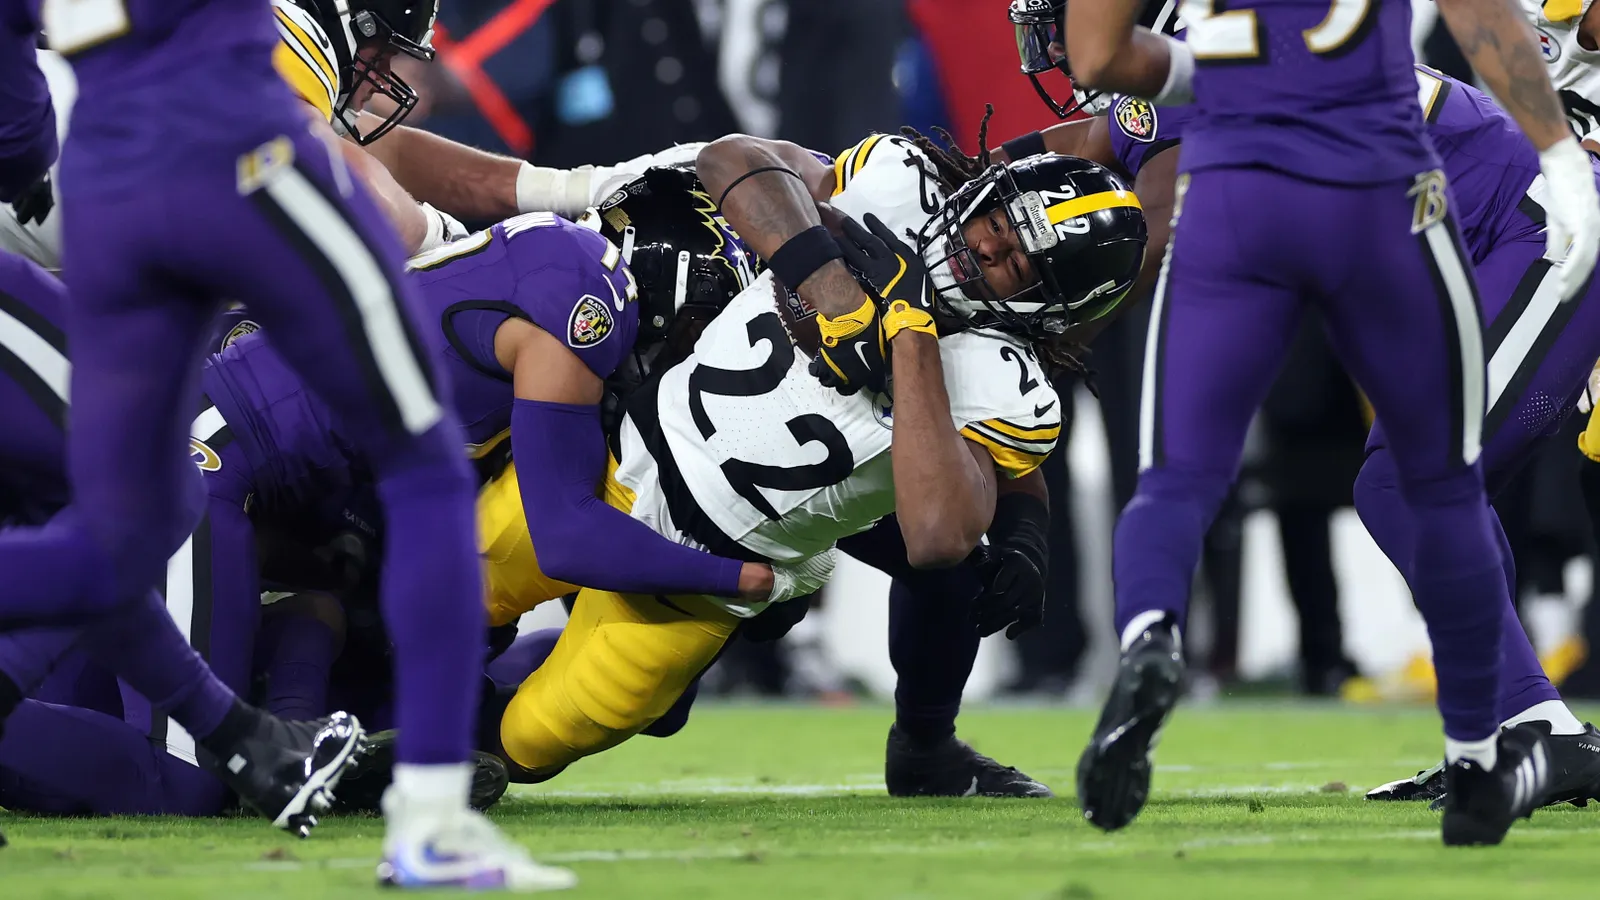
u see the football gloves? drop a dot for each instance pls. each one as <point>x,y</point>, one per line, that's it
<point>895,271</point>
<point>854,351</point>
<point>1572,214</point>
<point>1012,594</point>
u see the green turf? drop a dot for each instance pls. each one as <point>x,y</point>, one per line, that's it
<point>761,802</point>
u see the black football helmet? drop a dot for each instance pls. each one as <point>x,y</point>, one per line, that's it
<point>1080,225</point>
<point>403,26</point>
<point>1039,23</point>
<point>688,263</point>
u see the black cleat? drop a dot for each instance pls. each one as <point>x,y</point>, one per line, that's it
<point>950,768</point>
<point>1425,785</point>
<point>1114,771</point>
<point>362,789</point>
<point>1480,805</point>
<point>287,770</point>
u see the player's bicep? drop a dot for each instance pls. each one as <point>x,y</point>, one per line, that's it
<point>542,368</point>
<point>988,472</point>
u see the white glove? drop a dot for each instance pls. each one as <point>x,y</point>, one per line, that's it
<point>569,192</point>
<point>791,580</point>
<point>442,228</point>
<point>1572,214</point>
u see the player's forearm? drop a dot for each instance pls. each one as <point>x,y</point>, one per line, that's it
<point>943,500</point>
<point>1110,54</point>
<point>408,219</point>
<point>464,181</point>
<point>1500,45</point>
<point>769,208</point>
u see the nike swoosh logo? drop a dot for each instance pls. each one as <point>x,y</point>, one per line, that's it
<point>1041,410</point>
<point>433,857</point>
<point>861,351</point>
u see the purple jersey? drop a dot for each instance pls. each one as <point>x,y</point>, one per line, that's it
<point>27,117</point>
<point>566,279</point>
<point>1317,89</point>
<point>1488,162</point>
<point>163,81</point>
<point>33,391</point>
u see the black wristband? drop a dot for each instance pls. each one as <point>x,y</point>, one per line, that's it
<point>756,171</point>
<point>1030,144</point>
<point>1021,523</point>
<point>803,254</point>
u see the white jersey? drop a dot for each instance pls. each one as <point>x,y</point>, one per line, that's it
<point>1574,71</point>
<point>740,443</point>
<point>41,241</point>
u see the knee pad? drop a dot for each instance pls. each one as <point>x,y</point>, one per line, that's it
<point>625,677</point>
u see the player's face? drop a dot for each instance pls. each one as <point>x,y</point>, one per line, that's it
<point>377,58</point>
<point>1058,47</point>
<point>999,253</point>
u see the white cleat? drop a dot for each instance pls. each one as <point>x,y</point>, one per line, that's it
<point>458,849</point>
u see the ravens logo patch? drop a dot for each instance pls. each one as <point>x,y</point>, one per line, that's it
<point>1136,118</point>
<point>239,331</point>
<point>591,322</point>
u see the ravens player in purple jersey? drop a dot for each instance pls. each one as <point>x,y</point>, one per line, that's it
<point>27,125</point>
<point>186,187</point>
<point>1538,347</point>
<point>1318,111</point>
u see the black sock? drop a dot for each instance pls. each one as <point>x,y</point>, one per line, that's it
<point>241,720</point>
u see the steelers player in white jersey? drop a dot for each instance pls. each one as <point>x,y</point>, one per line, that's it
<point>1569,39</point>
<point>742,451</point>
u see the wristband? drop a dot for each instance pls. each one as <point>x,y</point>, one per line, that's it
<point>1179,87</point>
<point>902,316</point>
<point>561,191</point>
<point>1030,144</point>
<point>803,254</point>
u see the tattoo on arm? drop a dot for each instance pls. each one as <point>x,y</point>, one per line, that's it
<point>1501,46</point>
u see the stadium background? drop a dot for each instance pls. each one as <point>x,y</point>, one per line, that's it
<point>567,82</point>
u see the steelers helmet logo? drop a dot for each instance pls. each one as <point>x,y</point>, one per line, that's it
<point>590,323</point>
<point>1136,118</point>
<point>203,456</point>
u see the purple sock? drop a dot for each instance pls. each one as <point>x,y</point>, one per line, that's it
<point>1158,538</point>
<point>525,655</point>
<point>433,603</point>
<point>299,652</point>
<point>141,644</point>
<point>1523,683</point>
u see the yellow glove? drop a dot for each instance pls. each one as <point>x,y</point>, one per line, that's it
<point>853,353</point>
<point>1589,440</point>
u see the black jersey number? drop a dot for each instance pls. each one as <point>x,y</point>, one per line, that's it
<point>1025,382</point>
<point>745,477</point>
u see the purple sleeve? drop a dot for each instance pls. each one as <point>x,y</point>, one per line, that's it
<point>561,457</point>
<point>587,299</point>
<point>27,117</point>
<point>1140,131</point>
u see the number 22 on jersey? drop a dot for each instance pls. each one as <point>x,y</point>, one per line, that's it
<point>1235,35</point>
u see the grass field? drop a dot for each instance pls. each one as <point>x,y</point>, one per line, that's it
<point>772,801</point>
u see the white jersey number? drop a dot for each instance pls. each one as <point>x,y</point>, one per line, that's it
<point>746,477</point>
<point>74,25</point>
<point>1236,35</point>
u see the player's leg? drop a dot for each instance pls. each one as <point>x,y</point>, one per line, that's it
<point>1405,324</point>
<point>301,636</point>
<point>932,645</point>
<point>621,663</point>
<point>1224,315</point>
<point>323,278</point>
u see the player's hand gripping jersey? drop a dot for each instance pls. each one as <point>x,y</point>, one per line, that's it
<point>741,451</point>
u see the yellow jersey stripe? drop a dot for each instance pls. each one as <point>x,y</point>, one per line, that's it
<point>1090,203</point>
<point>480,450</point>
<point>1013,462</point>
<point>1041,433</point>
<point>301,79</point>
<point>316,55</point>
<point>1562,10</point>
<point>865,149</point>
<point>841,169</point>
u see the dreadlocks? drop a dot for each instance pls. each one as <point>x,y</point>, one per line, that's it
<point>954,168</point>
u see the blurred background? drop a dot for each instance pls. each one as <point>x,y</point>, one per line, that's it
<point>1292,595</point>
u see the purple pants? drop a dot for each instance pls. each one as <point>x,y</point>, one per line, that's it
<point>1252,252</point>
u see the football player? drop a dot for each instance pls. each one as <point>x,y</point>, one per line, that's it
<point>28,140</point>
<point>1367,187</point>
<point>1536,344</point>
<point>252,205</point>
<point>1567,31</point>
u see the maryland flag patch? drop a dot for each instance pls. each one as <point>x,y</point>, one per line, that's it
<point>591,322</point>
<point>1136,118</point>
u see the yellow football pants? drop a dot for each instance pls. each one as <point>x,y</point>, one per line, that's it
<point>622,660</point>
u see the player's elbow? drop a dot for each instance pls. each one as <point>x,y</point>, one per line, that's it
<point>720,161</point>
<point>938,544</point>
<point>1091,63</point>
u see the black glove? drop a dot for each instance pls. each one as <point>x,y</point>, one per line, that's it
<point>895,272</point>
<point>1013,594</point>
<point>35,201</point>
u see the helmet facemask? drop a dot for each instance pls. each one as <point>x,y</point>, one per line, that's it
<point>1038,25</point>
<point>369,30</point>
